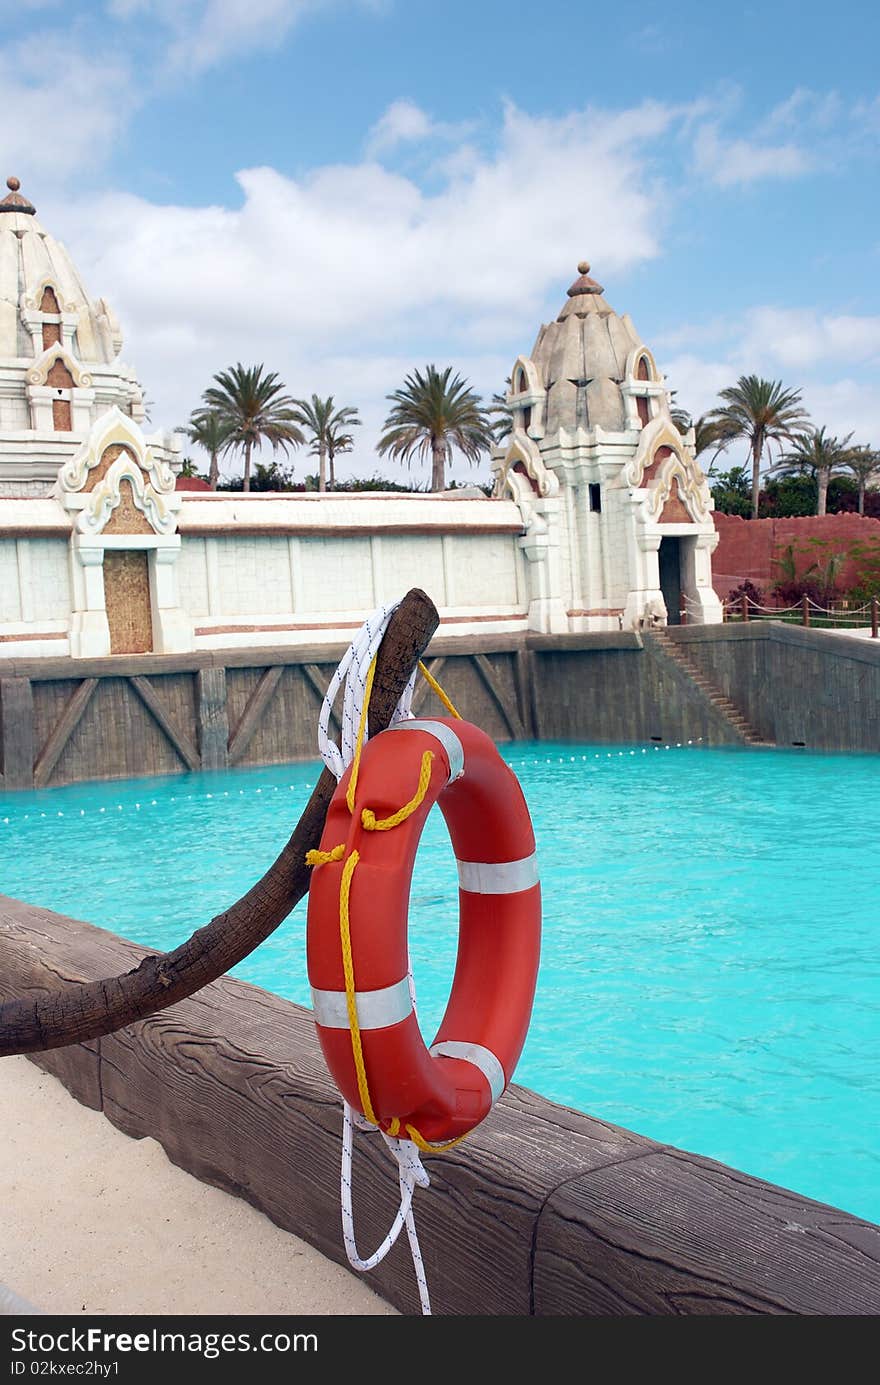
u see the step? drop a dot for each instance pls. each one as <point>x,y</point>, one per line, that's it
<point>731,713</point>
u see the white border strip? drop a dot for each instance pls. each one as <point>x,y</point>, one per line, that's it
<point>375,1009</point>
<point>447,738</point>
<point>498,877</point>
<point>482,1058</point>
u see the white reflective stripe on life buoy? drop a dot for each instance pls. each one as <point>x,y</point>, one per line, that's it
<point>482,1058</point>
<point>447,738</point>
<point>498,877</point>
<point>375,1009</point>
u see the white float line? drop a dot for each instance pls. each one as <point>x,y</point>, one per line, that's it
<point>294,788</point>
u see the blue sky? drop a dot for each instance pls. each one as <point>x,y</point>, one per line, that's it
<point>346,189</point>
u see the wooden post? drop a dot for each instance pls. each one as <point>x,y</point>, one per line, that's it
<point>524,673</point>
<point>873,617</point>
<point>744,602</point>
<point>805,608</point>
<point>213,724</point>
<point>17,732</point>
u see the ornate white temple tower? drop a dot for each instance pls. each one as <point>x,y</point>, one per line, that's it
<point>59,357</point>
<point>619,517</point>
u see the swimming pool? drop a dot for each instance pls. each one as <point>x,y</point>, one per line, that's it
<point>710,973</point>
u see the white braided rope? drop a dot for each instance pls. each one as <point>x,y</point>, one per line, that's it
<point>354,667</point>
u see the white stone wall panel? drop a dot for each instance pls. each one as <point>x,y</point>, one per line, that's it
<point>253,574</point>
<point>10,596</point>
<point>193,577</point>
<point>337,574</point>
<point>49,578</point>
<point>413,563</point>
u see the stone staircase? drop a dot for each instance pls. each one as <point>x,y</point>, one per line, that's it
<point>731,713</point>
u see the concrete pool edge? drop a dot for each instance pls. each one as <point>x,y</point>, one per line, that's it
<point>543,1211</point>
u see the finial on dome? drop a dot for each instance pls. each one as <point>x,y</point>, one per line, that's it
<point>14,201</point>
<point>584,284</point>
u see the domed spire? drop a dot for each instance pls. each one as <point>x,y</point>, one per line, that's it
<point>14,202</point>
<point>584,284</point>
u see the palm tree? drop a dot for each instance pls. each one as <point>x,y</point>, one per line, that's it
<point>864,463</point>
<point>764,413</point>
<point>209,430</point>
<point>820,455</point>
<point>432,414</point>
<point>337,442</point>
<point>254,408</point>
<point>502,413</point>
<point>325,424</point>
<point>708,432</point>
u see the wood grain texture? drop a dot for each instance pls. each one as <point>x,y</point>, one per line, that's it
<point>670,1232</point>
<point>543,1210</point>
<point>116,737</point>
<point>173,734</point>
<point>504,699</point>
<point>211,718</point>
<point>255,709</point>
<point>319,680</point>
<point>63,730</point>
<point>17,733</point>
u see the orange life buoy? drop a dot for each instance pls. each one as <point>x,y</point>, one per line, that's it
<point>444,1090</point>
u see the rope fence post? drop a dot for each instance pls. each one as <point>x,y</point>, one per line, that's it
<point>744,602</point>
<point>873,617</point>
<point>805,611</point>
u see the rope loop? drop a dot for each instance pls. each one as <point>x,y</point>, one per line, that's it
<point>371,823</point>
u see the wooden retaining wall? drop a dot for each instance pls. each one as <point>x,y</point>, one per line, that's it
<point>543,1211</point>
<point>66,720</point>
<point>814,688</point>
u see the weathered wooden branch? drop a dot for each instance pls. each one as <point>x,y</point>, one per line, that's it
<point>75,1014</point>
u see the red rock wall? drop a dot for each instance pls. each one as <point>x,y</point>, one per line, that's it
<point>747,547</point>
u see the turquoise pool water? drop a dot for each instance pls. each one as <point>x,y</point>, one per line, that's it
<point>710,972</point>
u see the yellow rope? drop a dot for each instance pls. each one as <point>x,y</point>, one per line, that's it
<point>371,823</point>
<point>419,1140</point>
<point>426,1148</point>
<point>356,762</point>
<point>435,687</point>
<point>350,998</point>
<point>321,858</point>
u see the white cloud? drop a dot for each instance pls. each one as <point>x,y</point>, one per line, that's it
<point>845,406</point>
<point>819,354</point>
<point>801,337</point>
<point>355,262</point>
<point>65,119</point>
<point>737,161</point>
<point>402,122</point>
<point>697,381</point>
<point>406,123</point>
<point>805,110</point>
<point>203,33</point>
